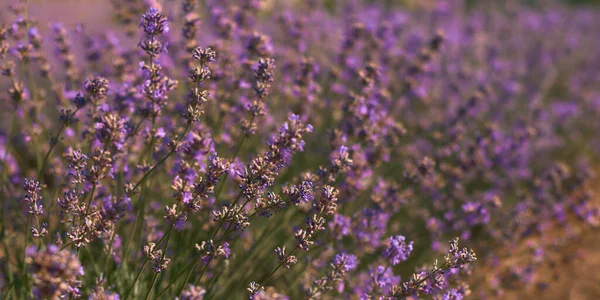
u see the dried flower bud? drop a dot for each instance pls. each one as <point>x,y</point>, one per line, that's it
<point>97,87</point>
<point>204,56</point>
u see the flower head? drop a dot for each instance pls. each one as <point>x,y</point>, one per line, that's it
<point>398,250</point>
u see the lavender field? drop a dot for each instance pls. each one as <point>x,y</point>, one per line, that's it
<point>316,149</point>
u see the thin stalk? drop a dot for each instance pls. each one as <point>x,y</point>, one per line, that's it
<point>154,278</point>
<point>136,279</point>
<point>227,232</point>
<point>213,281</point>
<point>235,154</point>
<point>66,245</point>
<point>135,226</point>
<point>275,270</point>
<point>54,143</point>
<point>89,203</point>
<point>171,282</point>
<point>135,223</point>
<point>247,255</point>
<point>110,248</point>
<point>9,267</point>
<point>160,162</point>
<point>25,248</point>
<point>162,257</point>
<point>189,274</point>
<point>94,263</point>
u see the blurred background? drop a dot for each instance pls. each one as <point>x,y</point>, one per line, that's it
<point>578,279</point>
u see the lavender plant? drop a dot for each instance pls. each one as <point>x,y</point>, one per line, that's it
<point>290,150</point>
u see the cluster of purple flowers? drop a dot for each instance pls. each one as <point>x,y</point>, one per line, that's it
<point>295,149</point>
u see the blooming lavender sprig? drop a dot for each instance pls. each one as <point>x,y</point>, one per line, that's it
<point>324,205</point>
<point>263,76</point>
<point>95,91</point>
<point>398,250</point>
<point>156,257</point>
<point>101,292</point>
<point>197,96</point>
<point>341,265</point>
<point>193,293</point>
<point>33,198</point>
<point>427,282</point>
<point>284,259</point>
<point>55,272</point>
<point>208,250</point>
<point>190,26</point>
<point>94,222</point>
<point>154,24</point>
<point>66,54</point>
<point>261,171</point>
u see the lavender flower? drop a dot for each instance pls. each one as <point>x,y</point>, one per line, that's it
<point>55,272</point>
<point>154,24</point>
<point>156,257</point>
<point>193,293</point>
<point>271,141</point>
<point>33,196</point>
<point>341,265</point>
<point>398,250</point>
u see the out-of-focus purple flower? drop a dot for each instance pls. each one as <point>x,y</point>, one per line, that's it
<point>346,262</point>
<point>398,250</point>
<point>340,225</point>
<point>193,292</point>
<point>154,23</point>
<point>370,225</point>
<point>54,272</point>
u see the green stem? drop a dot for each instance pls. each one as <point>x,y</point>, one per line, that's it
<point>94,263</point>
<point>25,250</point>
<point>52,145</point>
<point>136,279</point>
<point>66,245</point>
<point>171,282</point>
<point>275,270</point>
<point>89,203</point>
<point>154,278</point>
<point>160,162</point>
<point>135,225</point>
<point>187,277</point>
<point>235,154</point>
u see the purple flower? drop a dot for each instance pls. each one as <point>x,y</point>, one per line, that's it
<point>154,23</point>
<point>54,272</point>
<point>452,294</point>
<point>398,250</point>
<point>225,251</point>
<point>302,193</point>
<point>346,262</point>
<point>340,225</point>
<point>370,225</point>
<point>383,277</point>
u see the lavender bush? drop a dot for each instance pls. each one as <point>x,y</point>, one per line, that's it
<point>291,150</point>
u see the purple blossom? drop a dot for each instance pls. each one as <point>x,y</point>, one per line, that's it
<point>398,250</point>
<point>154,23</point>
<point>344,261</point>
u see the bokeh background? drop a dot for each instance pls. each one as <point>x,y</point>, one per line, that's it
<point>574,277</point>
